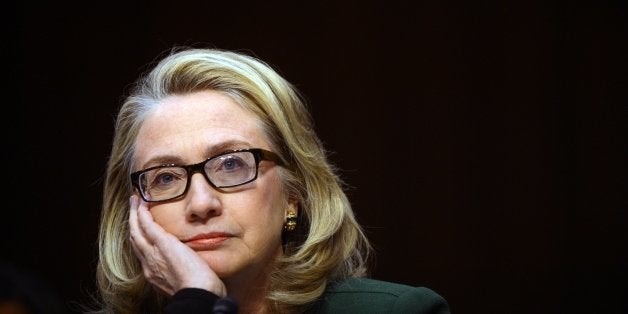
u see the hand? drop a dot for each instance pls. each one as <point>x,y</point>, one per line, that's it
<point>167,263</point>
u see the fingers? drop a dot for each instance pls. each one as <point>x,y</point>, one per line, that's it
<point>138,241</point>
<point>167,263</point>
<point>141,244</point>
<point>152,231</point>
<point>145,232</point>
<point>137,237</point>
<point>145,248</point>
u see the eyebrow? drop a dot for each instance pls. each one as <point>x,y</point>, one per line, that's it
<point>170,159</point>
<point>225,146</point>
<point>162,160</point>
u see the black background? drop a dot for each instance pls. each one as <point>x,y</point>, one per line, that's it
<point>482,141</point>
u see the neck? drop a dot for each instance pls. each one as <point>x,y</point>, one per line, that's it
<point>250,287</point>
<point>252,301</point>
<point>250,291</point>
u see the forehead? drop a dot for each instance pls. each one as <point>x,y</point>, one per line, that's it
<point>194,125</point>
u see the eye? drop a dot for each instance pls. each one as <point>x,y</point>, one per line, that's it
<point>231,163</point>
<point>231,169</point>
<point>166,177</point>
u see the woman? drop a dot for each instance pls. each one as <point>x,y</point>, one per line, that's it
<point>218,190</point>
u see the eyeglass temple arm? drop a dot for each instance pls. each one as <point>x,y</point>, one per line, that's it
<point>268,155</point>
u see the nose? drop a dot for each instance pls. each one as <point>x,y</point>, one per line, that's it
<point>203,201</point>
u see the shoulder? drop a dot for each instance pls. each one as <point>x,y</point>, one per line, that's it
<point>363,295</point>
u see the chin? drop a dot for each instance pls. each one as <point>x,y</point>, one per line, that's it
<point>223,264</point>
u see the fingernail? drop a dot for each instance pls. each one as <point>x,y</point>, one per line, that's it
<point>133,202</point>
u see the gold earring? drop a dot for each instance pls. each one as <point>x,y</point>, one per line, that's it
<point>291,221</point>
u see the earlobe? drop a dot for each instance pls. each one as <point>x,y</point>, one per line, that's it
<point>293,206</point>
<point>291,218</point>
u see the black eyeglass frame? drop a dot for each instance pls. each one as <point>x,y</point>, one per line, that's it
<point>258,153</point>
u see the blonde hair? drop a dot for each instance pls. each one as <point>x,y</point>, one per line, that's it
<point>328,245</point>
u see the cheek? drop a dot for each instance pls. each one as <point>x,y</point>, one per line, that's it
<point>165,216</point>
<point>264,211</point>
<point>262,229</point>
<point>261,212</point>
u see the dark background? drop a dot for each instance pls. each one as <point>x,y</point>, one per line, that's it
<point>482,141</point>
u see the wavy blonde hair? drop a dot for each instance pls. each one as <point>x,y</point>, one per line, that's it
<point>328,245</point>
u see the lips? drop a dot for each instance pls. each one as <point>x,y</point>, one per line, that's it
<point>207,241</point>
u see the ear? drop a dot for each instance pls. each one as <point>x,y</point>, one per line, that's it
<point>293,206</point>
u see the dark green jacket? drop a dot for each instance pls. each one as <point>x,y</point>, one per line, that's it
<point>362,295</point>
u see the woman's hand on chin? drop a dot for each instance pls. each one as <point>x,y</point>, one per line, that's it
<point>167,263</point>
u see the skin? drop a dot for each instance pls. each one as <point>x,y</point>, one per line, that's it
<point>224,241</point>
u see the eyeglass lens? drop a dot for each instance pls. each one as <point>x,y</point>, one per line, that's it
<point>227,170</point>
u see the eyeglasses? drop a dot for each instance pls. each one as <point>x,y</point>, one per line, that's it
<point>228,169</point>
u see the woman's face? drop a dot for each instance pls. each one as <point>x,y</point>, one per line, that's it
<point>236,231</point>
